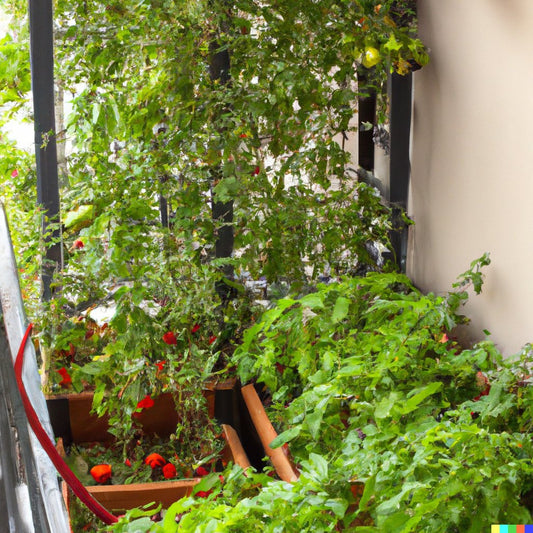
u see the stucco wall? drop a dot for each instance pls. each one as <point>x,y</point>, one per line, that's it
<point>472,160</point>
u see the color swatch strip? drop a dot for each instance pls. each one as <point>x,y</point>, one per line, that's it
<point>511,529</point>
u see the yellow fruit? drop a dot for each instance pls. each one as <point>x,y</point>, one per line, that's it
<point>371,57</point>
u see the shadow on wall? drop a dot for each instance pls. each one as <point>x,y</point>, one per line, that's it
<point>513,13</point>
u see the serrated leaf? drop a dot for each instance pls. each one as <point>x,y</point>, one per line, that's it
<point>392,45</point>
<point>227,189</point>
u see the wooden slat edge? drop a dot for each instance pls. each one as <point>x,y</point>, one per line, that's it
<point>239,455</point>
<point>124,497</point>
<point>267,434</point>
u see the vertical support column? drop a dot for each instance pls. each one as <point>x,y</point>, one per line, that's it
<point>222,212</point>
<point>400,166</point>
<point>366,111</point>
<point>42,75</point>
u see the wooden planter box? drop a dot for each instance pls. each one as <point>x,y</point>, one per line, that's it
<point>73,422</point>
<point>120,498</point>
<point>281,458</point>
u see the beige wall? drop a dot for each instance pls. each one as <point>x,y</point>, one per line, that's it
<point>472,159</point>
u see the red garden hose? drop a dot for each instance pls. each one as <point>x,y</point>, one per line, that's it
<point>66,473</point>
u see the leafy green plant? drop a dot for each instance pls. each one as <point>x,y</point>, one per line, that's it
<point>183,107</point>
<point>260,137</point>
<point>239,501</point>
<point>378,389</point>
<point>436,435</point>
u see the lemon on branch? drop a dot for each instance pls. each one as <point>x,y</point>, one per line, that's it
<point>371,57</point>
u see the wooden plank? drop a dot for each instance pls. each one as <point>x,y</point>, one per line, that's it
<point>237,453</point>
<point>124,497</point>
<point>161,419</point>
<point>267,434</point>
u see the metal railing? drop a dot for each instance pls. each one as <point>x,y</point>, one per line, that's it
<point>30,498</point>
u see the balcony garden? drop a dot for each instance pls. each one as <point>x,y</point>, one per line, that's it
<point>216,228</point>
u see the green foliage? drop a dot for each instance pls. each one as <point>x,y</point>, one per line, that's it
<point>247,501</point>
<point>265,139</point>
<point>153,116</point>
<point>17,168</point>
<point>380,397</point>
<point>15,82</point>
<point>363,375</point>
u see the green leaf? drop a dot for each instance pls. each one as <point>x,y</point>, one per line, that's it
<point>227,189</point>
<point>417,396</point>
<point>207,482</point>
<point>391,505</point>
<point>337,505</point>
<point>313,300</point>
<point>79,217</point>
<point>340,311</point>
<point>99,394</point>
<point>313,420</point>
<point>93,369</point>
<point>319,464</point>
<point>140,524</point>
<point>286,436</point>
<point>96,112</point>
<point>384,407</point>
<point>392,45</point>
<point>368,492</point>
<point>80,468</point>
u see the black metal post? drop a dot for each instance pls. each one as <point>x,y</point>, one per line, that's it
<point>42,75</point>
<point>163,210</point>
<point>366,111</point>
<point>222,212</point>
<point>400,166</point>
